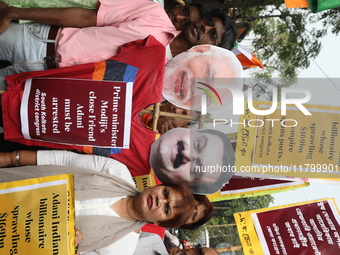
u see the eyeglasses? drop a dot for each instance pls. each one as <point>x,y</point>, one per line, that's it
<point>199,250</point>
<point>209,21</point>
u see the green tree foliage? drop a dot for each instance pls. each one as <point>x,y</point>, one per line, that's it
<point>287,39</point>
<point>284,41</point>
<point>331,19</point>
<point>222,227</point>
<point>224,216</point>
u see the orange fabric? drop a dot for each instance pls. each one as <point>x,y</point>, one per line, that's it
<point>88,149</point>
<point>245,62</point>
<point>240,31</point>
<point>296,3</point>
<point>99,71</point>
<point>146,120</point>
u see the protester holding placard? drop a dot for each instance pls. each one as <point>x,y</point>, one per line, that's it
<point>122,205</point>
<point>130,65</point>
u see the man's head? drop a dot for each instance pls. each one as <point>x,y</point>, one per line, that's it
<point>201,26</point>
<point>206,64</point>
<point>230,36</point>
<point>199,159</point>
<point>217,29</point>
<point>182,15</point>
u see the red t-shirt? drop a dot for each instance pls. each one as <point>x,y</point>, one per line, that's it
<point>141,61</point>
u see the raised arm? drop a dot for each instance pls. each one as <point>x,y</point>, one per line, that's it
<point>62,17</point>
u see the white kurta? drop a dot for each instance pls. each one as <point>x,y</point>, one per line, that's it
<point>100,206</point>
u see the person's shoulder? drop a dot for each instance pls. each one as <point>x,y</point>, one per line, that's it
<point>149,48</point>
<point>160,2</point>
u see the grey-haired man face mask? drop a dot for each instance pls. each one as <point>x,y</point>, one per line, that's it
<point>185,73</point>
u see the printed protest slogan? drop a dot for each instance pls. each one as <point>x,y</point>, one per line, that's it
<point>305,228</point>
<point>80,112</point>
<point>293,144</point>
<point>37,216</point>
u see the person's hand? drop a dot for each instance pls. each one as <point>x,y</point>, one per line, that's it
<point>5,20</point>
<point>79,237</point>
<point>6,158</point>
<point>173,250</point>
<point>77,240</point>
<point>165,123</point>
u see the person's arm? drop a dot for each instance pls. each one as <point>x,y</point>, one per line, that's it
<point>67,158</point>
<point>93,162</point>
<point>62,17</point>
<point>77,240</point>
<point>25,158</point>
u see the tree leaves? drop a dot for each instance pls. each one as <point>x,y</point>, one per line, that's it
<point>285,39</point>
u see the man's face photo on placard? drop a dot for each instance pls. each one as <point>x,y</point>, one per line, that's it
<point>195,72</point>
<point>194,158</point>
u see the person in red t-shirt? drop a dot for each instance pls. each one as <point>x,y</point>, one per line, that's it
<point>132,57</point>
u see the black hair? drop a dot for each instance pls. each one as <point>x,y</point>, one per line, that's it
<point>230,36</point>
<point>208,212</point>
<point>203,10</point>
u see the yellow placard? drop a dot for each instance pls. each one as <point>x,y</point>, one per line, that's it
<point>144,181</point>
<point>37,216</point>
<point>298,145</point>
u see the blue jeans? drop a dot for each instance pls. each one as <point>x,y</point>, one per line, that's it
<point>24,46</point>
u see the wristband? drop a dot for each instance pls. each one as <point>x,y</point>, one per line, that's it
<point>17,157</point>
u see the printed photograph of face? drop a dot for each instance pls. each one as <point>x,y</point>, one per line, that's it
<point>184,156</point>
<point>207,64</point>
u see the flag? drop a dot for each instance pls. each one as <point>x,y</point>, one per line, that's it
<point>245,57</point>
<point>321,5</point>
<point>296,3</point>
